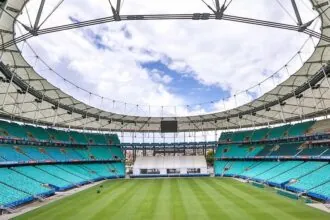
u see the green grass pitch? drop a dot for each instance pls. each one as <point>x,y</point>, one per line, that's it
<point>177,198</point>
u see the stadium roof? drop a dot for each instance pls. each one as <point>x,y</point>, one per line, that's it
<point>28,97</point>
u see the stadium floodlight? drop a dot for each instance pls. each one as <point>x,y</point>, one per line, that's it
<point>316,86</point>
<point>37,100</point>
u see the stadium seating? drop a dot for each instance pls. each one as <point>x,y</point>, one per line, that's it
<point>321,192</point>
<point>283,131</point>
<point>259,134</point>
<point>289,149</point>
<point>235,168</point>
<point>300,128</point>
<point>36,153</point>
<point>78,171</point>
<point>219,167</point>
<point>101,153</point>
<point>11,153</point>
<point>13,130</point>
<point>312,180</point>
<point>241,135</point>
<point>321,126</point>
<point>265,151</point>
<point>107,170</point>
<point>78,138</point>
<point>278,132</point>
<point>83,153</point>
<point>119,168</point>
<point>259,169</point>
<point>326,153</point>
<point>22,183</point>
<point>296,172</point>
<point>312,151</point>
<point>72,154</point>
<point>277,170</point>
<point>60,173</point>
<point>56,154</point>
<point>36,133</point>
<point>40,163</point>
<point>43,177</point>
<point>10,197</point>
<point>254,150</point>
<point>96,138</point>
<point>234,151</point>
<point>59,135</point>
<point>22,153</point>
<point>225,136</point>
<point>116,153</point>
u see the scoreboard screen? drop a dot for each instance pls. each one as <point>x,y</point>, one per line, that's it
<point>169,126</point>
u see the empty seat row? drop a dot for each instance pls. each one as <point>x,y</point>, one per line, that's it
<point>287,130</point>
<point>20,184</point>
<point>14,154</point>
<point>30,132</point>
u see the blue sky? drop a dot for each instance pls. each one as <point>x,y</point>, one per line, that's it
<point>186,85</point>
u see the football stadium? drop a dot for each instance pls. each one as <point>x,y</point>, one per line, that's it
<point>190,109</point>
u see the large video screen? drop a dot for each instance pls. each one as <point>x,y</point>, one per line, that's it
<point>169,126</point>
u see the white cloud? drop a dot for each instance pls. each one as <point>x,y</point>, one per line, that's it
<point>231,55</point>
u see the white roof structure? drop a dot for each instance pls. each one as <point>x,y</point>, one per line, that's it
<point>28,97</point>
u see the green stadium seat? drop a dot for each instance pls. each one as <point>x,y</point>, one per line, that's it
<point>313,179</point>
<point>23,183</point>
<point>9,196</point>
<point>12,153</point>
<point>300,128</point>
<point>298,171</point>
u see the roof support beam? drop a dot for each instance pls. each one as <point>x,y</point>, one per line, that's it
<point>36,23</point>
<point>115,11</point>
<point>296,11</point>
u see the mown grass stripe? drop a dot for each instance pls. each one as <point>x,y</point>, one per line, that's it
<point>139,203</point>
<point>110,207</point>
<point>147,207</point>
<point>206,201</point>
<point>228,205</point>
<point>248,207</point>
<point>94,201</point>
<point>268,211</point>
<point>179,211</point>
<point>69,203</point>
<point>191,203</point>
<point>163,205</point>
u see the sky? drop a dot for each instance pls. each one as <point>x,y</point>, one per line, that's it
<point>167,68</point>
